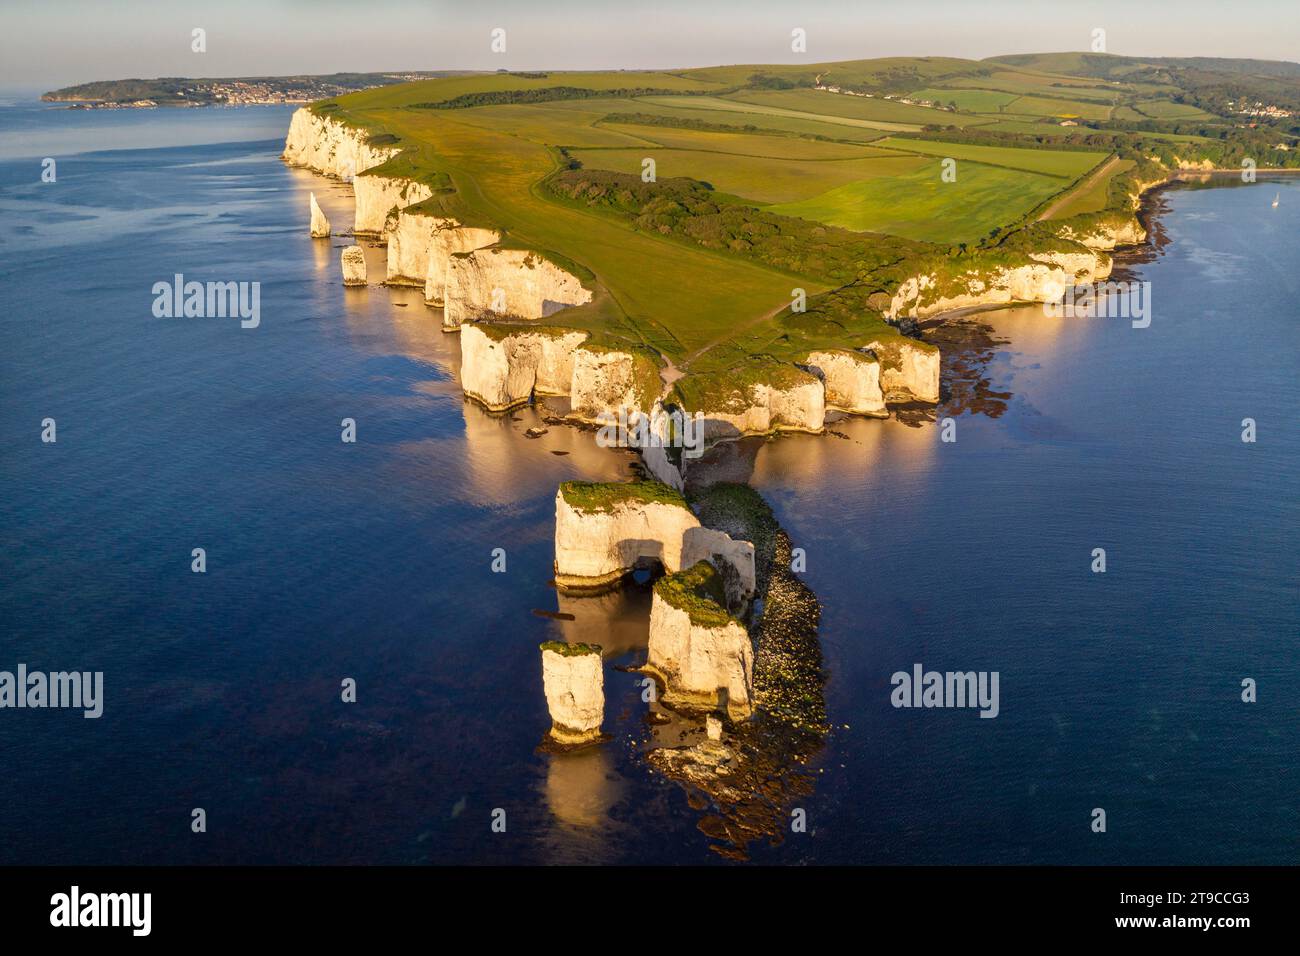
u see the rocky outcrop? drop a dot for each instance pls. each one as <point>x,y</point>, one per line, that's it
<point>608,382</point>
<point>909,369</point>
<point>851,379</point>
<point>331,147</point>
<point>1044,279</point>
<point>733,559</point>
<point>380,199</point>
<point>507,283</point>
<point>605,530</point>
<point>1107,234</point>
<point>450,240</point>
<point>574,682</point>
<point>701,653</point>
<point>502,366</point>
<point>410,245</point>
<point>320,226</point>
<point>354,266</point>
<point>756,399</point>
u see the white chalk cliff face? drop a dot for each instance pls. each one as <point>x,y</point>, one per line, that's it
<point>1045,280</point>
<point>448,241</point>
<point>354,266</point>
<point>604,383</point>
<point>320,226</point>
<point>574,682</point>
<point>596,547</point>
<point>410,244</point>
<point>1106,236</point>
<point>497,283</point>
<point>797,404</point>
<point>909,370</point>
<point>703,665</point>
<point>851,380</point>
<point>379,200</point>
<point>329,147</point>
<point>502,369</point>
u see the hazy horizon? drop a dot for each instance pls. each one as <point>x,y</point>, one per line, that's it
<point>50,45</point>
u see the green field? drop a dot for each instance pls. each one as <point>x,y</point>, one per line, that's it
<point>765,184</point>
<point>976,101</point>
<point>1090,195</point>
<point>1066,164</point>
<point>919,205</point>
<point>763,179</point>
<point>1059,108</point>
<point>762,110</point>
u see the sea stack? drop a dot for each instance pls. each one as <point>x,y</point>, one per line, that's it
<point>320,226</point>
<point>702,654</point>
<point>354,266</point>
<point>574,682</point>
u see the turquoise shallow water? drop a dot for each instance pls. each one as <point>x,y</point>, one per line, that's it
<point>372,560</point>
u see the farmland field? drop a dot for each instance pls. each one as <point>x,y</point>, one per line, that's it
<point>1068,164</point>
<point>762,182</point>
<point>763,109</point>
<point>977,101</point>
<point>1061,108</point>
<point>919,205</point>
<point>763,179</point>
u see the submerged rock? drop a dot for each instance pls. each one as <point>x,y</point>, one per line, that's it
<point>320,226</point>
<point>354,266</point>
<point>574,682</point>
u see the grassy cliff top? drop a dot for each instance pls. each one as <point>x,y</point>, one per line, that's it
<point>731,390</point>
<point>565,649</point>
<point>598,496</point>
<point>766,189</point>
<point>699,591</point>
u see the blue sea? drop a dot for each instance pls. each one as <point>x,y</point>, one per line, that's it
<point>373,561</point>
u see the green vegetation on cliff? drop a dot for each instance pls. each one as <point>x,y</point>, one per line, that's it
<point>598,496</point>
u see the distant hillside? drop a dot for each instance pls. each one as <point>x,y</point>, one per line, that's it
<point>1109,66</point>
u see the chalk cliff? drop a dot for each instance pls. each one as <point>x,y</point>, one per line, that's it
<point>320,226</point>
<point>450,240</point>
<point>851,380</point>
<point>502,365</point>
<point>701,653</point>
<point>379,200</point>
<point>354,266</point>
<point>574,682</point>
<point>909,369</point>
<point>501,283</point>
<point>330,147</point>
<point>410,246</point>
<point>603,531</point>
<point>607,381</point>
<point>1044,279</point>
<point>762,397</point>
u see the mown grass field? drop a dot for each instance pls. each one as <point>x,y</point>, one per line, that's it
<point>763,179</point>
<point>1062,163</point>
<point>764,110</point>
<point>1090,195</point>
<point>920,205</point>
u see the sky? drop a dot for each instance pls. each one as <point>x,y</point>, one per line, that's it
<point>46,44</point>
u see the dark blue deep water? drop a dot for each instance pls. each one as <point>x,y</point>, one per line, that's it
<point>372,560</point>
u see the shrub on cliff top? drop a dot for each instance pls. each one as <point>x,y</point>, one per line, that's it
<point>699,591</point>
<point>595,496</point>
<point>565,649</point>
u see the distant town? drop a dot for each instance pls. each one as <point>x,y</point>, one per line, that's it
<point>251,91</point>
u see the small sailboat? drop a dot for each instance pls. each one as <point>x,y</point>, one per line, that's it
<point>1275,199</point>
